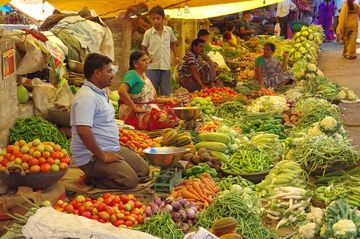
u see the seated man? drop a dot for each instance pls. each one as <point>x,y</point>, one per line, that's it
<point>95,145</point>
<point>195,74</point>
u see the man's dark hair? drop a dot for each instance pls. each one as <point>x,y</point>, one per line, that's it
<point>157,10</point>
<point>93,62</point>
<point>271,46</point>
<point>196,42</point>
<point>203,32</point>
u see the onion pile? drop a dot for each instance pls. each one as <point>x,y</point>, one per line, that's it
<point>182,211</point>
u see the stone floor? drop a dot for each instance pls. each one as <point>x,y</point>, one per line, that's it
<point>344,73</point>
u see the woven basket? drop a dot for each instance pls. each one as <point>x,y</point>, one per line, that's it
<point>252,177</point>
<point>61,118</point>
<point>39,180</point>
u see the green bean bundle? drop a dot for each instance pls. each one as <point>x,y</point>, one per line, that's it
<point>161,225</point>
<point>324,151</point>
<point>243,207</point>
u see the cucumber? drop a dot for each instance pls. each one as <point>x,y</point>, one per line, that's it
<point>214,146</point>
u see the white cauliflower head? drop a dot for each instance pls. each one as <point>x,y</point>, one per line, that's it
<point>307,231</point>
<point>312,68</point>
<point>342,95</point>
<point>315,131</point>
<point>316,215</point>
<point>329,124</point>
<point>351,95</point>
<point>344,229</point>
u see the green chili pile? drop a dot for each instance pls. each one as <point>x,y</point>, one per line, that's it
<point>249,161</point>
<point>34,127</point>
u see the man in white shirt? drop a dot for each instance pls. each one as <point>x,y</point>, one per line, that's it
<point>157,43</point>
<point>282,15</point>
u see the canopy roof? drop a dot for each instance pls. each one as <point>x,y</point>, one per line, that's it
<point>111,8</point>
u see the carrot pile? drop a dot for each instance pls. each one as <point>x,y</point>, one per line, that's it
<point>209,127</point>
<point>198,190</point>
<point>261,92</point>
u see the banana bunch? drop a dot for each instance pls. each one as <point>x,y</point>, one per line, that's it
<point>172,138</point>
<point>285,173</point>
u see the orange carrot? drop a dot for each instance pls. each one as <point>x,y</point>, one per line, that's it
<point>197,188</point>
<point>188,195</point>
<point>173,194</point>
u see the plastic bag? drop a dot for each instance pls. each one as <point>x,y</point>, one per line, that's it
<point>63,98</point>
<point>216,57</point>
<point>277,29</point>
<point>50,223</point>
<point>43,95</point>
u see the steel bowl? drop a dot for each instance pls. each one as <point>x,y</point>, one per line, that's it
<point>187,113</point>
<point>165,156</point>
<point>75,66</point>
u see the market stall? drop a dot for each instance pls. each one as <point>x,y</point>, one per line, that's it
<point>242,161</point>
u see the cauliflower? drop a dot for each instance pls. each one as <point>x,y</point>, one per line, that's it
<point>307,231</point>
<point>315,131</point>
<point>310,76</point>
<point>342,95</point>
<point>316,215</point>
<point>320,73</point>
<point>329,125</point>
<point>344,229</point>
<point>351,95</point>
<point>312,68</point>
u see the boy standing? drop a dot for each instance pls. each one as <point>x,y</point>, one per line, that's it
<point>157,43</point>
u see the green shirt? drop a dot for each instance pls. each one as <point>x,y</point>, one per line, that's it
<point>260,61</point>
<point>136,84</point>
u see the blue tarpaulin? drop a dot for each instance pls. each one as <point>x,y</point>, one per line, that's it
<point>6,8</point>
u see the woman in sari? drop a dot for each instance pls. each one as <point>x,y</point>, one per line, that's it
<point>348,27</point>
<point>270,71</point>
<point>326,10</point>
<point>139,104</point>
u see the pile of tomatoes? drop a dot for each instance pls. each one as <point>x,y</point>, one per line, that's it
<point>34,157</point>
<point>215,93</point>
<point>120,210</point>
<point>137,141</point>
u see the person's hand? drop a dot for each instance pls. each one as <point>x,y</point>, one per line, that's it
<point>177,60</point>
<point>139,110</point>
<point>112,156</point>
<point>173,101</point>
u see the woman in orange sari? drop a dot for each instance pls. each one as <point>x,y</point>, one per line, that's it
<point>348,28</point>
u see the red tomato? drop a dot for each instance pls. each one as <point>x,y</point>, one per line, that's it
<point>87,214</point>
<point>124,198</point>
<point>101,207</point>
<point>140,219</point>
<point>69,208</point>
<point>106,195</point>
<point>94,217</point>
<point>129,223</point>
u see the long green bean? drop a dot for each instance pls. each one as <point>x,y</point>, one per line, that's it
<point>161,225</point>
<point>241,206</point>
<point>324,151</point>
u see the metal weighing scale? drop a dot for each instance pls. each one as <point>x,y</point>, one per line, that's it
<point>188,115</point>
<point>167,158</point>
